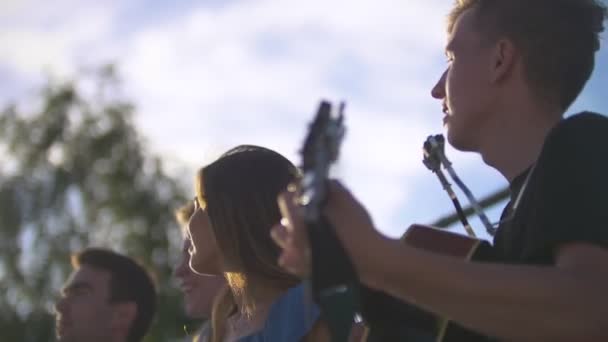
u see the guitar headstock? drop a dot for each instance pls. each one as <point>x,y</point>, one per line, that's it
<point>433,150</point>
<point>320,150</point>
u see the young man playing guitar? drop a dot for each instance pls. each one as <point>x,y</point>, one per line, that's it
<point>514,67</point>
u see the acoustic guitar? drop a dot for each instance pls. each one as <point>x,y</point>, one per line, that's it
<point>391,319</point>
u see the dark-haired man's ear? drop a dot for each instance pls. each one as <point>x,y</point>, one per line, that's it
<point>123,316</point>
<point>503,60</point>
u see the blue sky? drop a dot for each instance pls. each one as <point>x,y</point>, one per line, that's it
<point>209,75</point>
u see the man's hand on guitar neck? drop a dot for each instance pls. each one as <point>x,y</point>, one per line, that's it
<point>349,219</point>
<point>291,236</point>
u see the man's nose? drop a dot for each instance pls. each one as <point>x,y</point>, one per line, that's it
<point>438,90</point>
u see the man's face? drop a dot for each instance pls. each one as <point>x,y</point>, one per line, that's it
<point>199,290</point>
<point>84,311</point>
<point>465,86</point>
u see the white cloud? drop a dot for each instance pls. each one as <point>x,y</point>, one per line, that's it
<point>253,71</point>
<point>54,36</point>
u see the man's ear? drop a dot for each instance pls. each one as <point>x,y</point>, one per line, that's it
<point>123,315</point>
<point>503,60</point>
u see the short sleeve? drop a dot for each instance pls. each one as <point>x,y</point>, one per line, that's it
<point>572,176</point>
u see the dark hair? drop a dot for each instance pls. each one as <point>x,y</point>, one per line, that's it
<point>240,192</point>
<point>129,282</point>
<point>558,39</point>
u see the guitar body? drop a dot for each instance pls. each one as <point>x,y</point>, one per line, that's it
<point>390,319</point>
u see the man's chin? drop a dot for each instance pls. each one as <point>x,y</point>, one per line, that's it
<point>459,141</point>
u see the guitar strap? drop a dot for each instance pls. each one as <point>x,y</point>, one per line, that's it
<point>520,193</point>
<point>522,190</point>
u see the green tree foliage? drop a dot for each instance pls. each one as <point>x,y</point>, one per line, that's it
<point>73,173</point>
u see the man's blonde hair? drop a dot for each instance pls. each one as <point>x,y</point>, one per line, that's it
<point>558,39</point>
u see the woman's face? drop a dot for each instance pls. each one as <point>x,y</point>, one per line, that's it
<point>198,290</point>
<point>204,252</point>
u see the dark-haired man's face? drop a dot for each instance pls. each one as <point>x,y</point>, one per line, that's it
<point>465,87</point>
<point>84,312</point>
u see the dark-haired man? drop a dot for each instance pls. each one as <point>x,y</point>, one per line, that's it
<point>514,68</point>
<point>108,297</point>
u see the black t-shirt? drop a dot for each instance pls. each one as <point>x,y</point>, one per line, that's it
<point>565,200</point>
<point>566,196</point>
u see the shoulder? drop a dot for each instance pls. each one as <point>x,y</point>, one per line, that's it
<point>585,117</point>
<point>571,187</point>
<point>578,137</point>
<point>295,303</point>
<point>292,316</point>
<point>582,126</point>
<point>574,155</point>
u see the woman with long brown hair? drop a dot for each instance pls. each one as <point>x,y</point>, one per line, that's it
<point>236,206</point>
